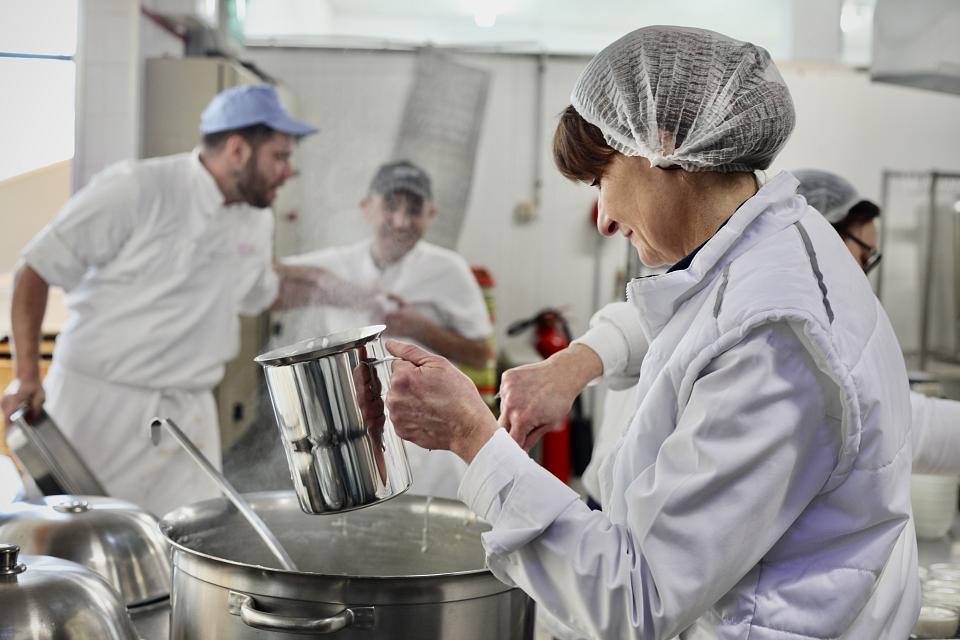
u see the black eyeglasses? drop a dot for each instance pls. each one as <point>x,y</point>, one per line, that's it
<point>873,254</point>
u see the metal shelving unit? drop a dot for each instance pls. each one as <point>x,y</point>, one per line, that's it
<point>919,280</point>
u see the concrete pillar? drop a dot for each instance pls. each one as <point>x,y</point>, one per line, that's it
<point>108,101</point>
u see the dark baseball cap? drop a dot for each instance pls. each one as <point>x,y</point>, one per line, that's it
<point>401,175</point>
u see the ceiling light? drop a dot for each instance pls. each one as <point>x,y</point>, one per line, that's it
<point>486,12</point>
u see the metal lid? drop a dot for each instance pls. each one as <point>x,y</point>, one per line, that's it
<point>115,539</point>
<point>41,597</point>
<point>314,348</point>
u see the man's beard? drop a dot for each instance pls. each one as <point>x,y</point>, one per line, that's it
<point>253,186</point>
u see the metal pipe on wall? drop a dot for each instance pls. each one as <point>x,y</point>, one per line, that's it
<point>541,68</point>
<point>928,274</point>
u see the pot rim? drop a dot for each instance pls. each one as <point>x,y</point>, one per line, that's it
<point>314,348</point>
<point>338,576</point>
<point>166,526</point>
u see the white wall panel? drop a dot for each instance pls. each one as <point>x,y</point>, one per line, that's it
<point>845,124</point>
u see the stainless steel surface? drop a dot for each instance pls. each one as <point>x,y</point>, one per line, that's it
<point>49,458</point>
<point>10,564</point>
<point>242,605</point>
<point>266,536</point>
<point>946,549</point>
<point>152,621</point>
<point>340,445</point>
<point>49,598</point>
<point>112,538</point>
<point>921,273</point>
<point>928,277</point>
<point>914,44</point>
<point>409,568</point>
<point>314,348</point>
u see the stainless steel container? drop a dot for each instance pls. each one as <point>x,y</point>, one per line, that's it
<point>49,458</point>
<point>340,445</point>
<point>152,621</point>
<point>115,539</point>
<point>44,598</point>
<point>411,568</point>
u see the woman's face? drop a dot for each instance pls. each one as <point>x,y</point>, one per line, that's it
<point>636,200</point>
<point>867,236</point>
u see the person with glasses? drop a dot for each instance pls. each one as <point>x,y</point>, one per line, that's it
<point>936,421</point>
<point>853,217</point>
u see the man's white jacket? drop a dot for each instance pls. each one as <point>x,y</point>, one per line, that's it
<point>762,487</point>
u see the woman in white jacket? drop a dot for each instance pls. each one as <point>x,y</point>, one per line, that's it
<point>935,427</point>
<point>761,488</point>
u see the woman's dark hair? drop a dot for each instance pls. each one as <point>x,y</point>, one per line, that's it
<point>255,135</point>
<point>859,214</point>
<point>579,150</point>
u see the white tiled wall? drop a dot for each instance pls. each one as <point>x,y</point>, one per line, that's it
<point>114,40</point>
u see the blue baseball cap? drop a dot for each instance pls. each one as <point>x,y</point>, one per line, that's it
<point>249,105</point>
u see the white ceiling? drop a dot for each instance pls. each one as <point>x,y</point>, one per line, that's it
<point>558,26</point>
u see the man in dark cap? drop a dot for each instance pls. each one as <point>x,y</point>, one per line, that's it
<point>427,294</point>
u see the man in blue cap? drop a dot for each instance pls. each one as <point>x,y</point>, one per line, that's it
<point>158,257</point>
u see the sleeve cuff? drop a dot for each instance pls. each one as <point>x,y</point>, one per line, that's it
<point>264,294</point>
<point>610,345</point>
<point>616,336</point>
<point>53,260</point>
<point>512,493</point>
<point>493,469</point>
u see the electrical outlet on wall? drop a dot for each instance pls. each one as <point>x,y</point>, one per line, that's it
<point>525,212</point>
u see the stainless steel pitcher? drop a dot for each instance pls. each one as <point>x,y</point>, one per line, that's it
<point>328,398</point>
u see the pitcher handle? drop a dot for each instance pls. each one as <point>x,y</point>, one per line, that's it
<point>240,604</point>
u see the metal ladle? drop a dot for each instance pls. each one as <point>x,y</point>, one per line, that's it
<point>255,521</point>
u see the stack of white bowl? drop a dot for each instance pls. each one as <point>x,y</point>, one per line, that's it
<point>934,501</point>
<point>940,611</point>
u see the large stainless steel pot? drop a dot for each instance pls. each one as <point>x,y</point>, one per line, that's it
<point>44,598</point>
<point>409,568</point>
<point>340,445</point>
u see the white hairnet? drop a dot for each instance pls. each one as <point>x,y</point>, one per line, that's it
<point>687,97</point>
<point>827,192</point>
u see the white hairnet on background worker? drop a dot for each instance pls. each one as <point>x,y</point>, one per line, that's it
<point>687,97</point>
<point>761,487</point>
<point>827,192</point>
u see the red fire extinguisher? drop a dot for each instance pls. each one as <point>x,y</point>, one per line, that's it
<point>552,335</point>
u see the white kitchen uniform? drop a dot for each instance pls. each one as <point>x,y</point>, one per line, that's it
<point>935,427</point>
<point>936,435</point>
<point>156,270</point>
<point>438,283</point>
<point>762,487</point>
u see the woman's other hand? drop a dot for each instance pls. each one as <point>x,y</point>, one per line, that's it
<point>535,398</point>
